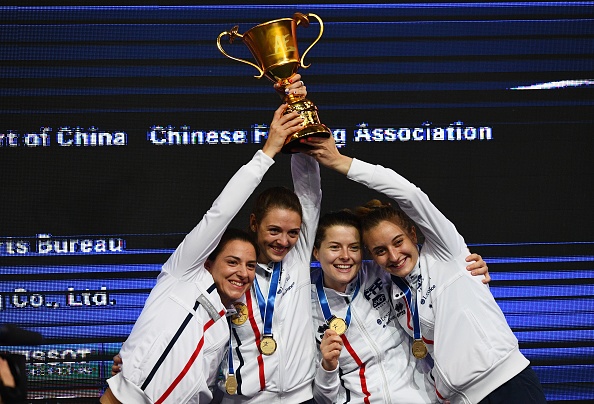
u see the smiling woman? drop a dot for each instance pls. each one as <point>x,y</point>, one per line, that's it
<point>449,313</point>
<point>273,357</point>
<point>356,326</point>
<point>276,222</point>
<point>163,358</point>
<point>232,265</point>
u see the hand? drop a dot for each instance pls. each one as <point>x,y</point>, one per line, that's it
<point>281,127</point>
<point>116,367</point>
<point>324,150</point>
<point>330,347</point>
<point>6,377</point>
<point>478,267</point>
<point>294,86</point>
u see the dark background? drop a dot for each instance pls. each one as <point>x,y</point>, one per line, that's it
<point>523,199</point>
<point>129,68</point>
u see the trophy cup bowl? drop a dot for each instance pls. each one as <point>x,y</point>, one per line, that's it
<point>274,47</point>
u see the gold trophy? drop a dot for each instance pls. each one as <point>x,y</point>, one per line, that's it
<point>274,46</point>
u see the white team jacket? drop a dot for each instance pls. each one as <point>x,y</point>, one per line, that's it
<point>285,376</point>
<point>375,364</point>
<point>174,350</point>
<point>467,335</point>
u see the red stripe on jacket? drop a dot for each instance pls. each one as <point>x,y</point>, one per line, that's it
<point>192,359</point>
<point>361,365</point>
<point>248,299</point>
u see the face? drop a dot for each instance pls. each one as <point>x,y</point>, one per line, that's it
<point>340,256</point>
<point>276,234</point>
<point>392,248</point>
<point>233,270</point>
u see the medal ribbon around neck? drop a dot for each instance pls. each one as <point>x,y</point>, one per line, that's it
<point>324,301</point>
<point>267,305</point>
<point>417,335</point>
<point>231,381</point>
<point>401,283</point>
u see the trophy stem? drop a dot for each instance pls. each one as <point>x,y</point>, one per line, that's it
<point>293,98</point>
<point>312,127</point>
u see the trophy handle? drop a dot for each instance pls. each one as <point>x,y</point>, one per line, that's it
<point>232,35</point>
<point>304,20</point>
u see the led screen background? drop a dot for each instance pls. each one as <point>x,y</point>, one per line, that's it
<point>84,228</point>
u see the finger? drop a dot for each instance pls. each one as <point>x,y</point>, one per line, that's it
<point>329,333</point>
<point>311,145</point>
<point>332,336</point>
<point>473,257</point>
<point>284,121</point>
<point>301,91</point>
<point>331,350</point>
<point>336,346</point>
<point>315,141</point>
<point>279,111</point>
<point>487,278</point>
<point>297,85</point>
<point>476,265</point>
<point>291,82</point>
<point>292,121</point>
<point>295,78</point>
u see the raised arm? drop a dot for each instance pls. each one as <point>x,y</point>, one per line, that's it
<point>326,153</point>
<point>307,184</point>
<point>306,181</point>
<point>200,242</point>
<point>436,228</point>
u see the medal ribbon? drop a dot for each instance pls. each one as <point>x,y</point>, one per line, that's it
<point>231,370</point>
<point>267,305</point>
<point>324,300</point>
<point>409,300</point>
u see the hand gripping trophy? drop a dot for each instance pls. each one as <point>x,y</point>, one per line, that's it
<point>274,46</point>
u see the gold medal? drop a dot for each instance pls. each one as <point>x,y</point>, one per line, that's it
<point>338,325</point>
<point>231,384</point>
<point>419,349</point>
<point>267,345</point>
<point>242,313</point>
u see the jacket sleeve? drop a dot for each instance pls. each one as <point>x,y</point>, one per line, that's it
<point>202,240</point>
<point>440,234</point>
<point>306,181</point>
<point>326,385</point>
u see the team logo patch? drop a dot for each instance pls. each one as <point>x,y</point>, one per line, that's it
<point>378,300</point>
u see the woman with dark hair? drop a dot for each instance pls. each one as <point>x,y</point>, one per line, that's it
<point>451,316</point>
<point>365,356</point>
<point>176,346</point>
<point>273,353</point>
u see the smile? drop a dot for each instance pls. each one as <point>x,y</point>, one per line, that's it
<point>343,267</point>
<point>278,250</point>
<point>399,264</point>
<point>236,283</point>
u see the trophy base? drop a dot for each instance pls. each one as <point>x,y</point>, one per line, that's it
<point>292,144</point>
